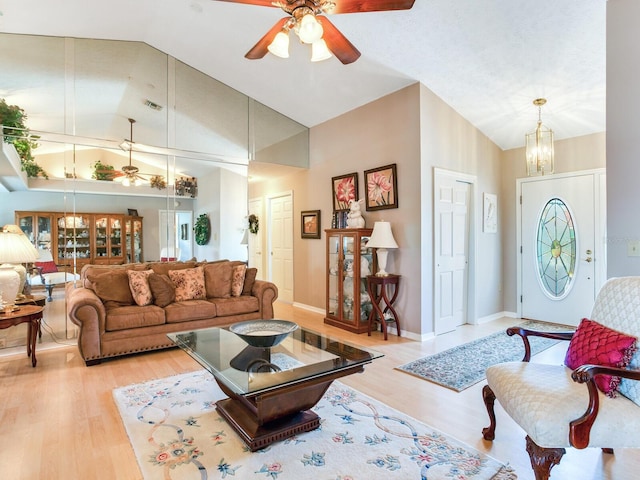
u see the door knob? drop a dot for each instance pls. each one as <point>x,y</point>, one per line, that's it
<point>588,259</point>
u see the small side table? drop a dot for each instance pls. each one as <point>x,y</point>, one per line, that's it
<point>31,314</point>
<point>378,288</point>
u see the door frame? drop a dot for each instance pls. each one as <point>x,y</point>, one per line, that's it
<point>600,225</point>
<point>473,214</point>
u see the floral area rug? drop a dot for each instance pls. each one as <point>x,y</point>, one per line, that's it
<point>463,366</point>
<point>176,433</point>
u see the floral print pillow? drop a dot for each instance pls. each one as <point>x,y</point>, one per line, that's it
<point>189,283</point>
<point>237,280</point>
<point>139,286</point>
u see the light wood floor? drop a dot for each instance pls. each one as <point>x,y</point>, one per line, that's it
<point>59,421</point>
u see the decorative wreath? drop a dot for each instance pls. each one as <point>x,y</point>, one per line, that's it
<point>202,229</point>
<point>254,223</point>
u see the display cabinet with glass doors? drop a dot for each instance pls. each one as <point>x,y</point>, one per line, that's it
<point>349,262</point>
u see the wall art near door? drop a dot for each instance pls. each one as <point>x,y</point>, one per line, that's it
<point>382,187</point>
<point>344,189</point>
<point>310,224</point>
<point>490,214</point>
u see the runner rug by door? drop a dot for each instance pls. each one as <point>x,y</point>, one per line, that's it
<point>176,433</point>
<point>463,366</point>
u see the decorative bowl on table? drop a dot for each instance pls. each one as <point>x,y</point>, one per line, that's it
<point>263,333</point>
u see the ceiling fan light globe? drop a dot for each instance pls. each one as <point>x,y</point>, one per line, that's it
<point>280,45</point>
<point>310,29</point>
<point>126,182</point>
<point>320,51</point>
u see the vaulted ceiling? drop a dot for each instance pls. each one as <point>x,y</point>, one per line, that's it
<point>487,59</point>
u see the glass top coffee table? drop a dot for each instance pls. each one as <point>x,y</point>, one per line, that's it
<point>272,390</point>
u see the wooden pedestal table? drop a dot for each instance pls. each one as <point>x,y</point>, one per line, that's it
<point>30,314</point>
<point>378,289</point>
<point>272,404</point>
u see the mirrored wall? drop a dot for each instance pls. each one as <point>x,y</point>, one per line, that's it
<point>79,95</point>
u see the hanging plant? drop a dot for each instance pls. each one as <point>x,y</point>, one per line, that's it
<point>202,229</point>
<point>102,171</point>
<point>15,131</point>
<point>254,223</point>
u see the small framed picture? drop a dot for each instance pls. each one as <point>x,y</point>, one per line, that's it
<point>132,211</point>
<point>382,187</point>
<point>310,224</point>
<point>344,189</point>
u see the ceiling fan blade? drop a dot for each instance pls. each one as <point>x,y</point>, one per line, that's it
<point>262,3</point>
<point>356,6</point>
<point>259,50</point>
<point>342,48</point>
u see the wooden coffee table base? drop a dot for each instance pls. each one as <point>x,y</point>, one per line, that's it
<point>260,436</point>
<point>277,414</point>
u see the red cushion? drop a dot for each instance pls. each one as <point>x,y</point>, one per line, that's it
<point>595,344</point>
<point>47,267</point>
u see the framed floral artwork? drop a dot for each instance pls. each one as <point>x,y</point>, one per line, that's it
<point>310,226</point>
<point>382,187</point>
<point>345,189</point>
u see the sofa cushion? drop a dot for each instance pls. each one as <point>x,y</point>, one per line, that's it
<point>237,280</point>
<point>249,280</point>
<point>596,344</point>
<point>165,267</point>
<point>236,305</point>
<point>189,310</point>
<point>139,286</point>
<point>217,278</point>
<point>123,318</point>
<point>111,286</point>
<point>189,283</point>
<point>47,267</point>
<point>162,289</point>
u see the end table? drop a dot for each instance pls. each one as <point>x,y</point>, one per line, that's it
<point>31,314</point>
<point>378,289</point>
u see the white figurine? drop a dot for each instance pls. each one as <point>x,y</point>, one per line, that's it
<point>354,217</point>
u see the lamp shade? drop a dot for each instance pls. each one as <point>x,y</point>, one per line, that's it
<point>320,51</point>
<point>280,45</point>
<point>382,239</point>
<point>16,248</point>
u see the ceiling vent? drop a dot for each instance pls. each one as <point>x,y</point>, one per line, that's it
<point>153,105</point>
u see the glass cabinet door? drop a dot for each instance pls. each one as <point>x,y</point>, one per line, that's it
<point>73,237</point>
<point>102,237</point>
<point>348,285</point>
<point>333,292</point>
<point>37,228</point>
<point>44,232</point>
<point>366,268</point>
<point>137,241</point>
<point>115,237</point>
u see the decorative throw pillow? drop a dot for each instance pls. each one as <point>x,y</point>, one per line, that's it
<point>218,279</point>
<point>595,344</point>
<point>139,285</point>
<point>237,280</point>
<point>249,280</point>
<point>47,267</point>
<point>189,283</point>
<point>111,285</point>
<point>162,289</point>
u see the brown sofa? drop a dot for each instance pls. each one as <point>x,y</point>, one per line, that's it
<point>117,317</point>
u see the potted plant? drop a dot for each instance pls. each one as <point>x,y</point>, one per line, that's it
<point>102,171</point>
<point>12,119</point>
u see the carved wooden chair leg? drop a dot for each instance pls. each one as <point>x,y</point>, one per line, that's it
<point>543,459</point>
<point>489,433</point>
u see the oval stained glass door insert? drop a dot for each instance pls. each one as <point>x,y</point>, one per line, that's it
<point>556,249</point>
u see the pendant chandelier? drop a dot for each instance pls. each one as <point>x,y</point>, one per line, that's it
<point>539,146</point>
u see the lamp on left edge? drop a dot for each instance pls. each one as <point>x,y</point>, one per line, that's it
<point>15,249</point>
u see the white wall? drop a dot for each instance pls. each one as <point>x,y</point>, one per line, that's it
<point>623,148</point>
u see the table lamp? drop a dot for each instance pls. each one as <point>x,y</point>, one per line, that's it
<point>15,248</point>
<point>382,239</point>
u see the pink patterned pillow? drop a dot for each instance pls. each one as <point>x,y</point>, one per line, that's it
<point>237,280</point>
<point>189,283</point>
<point>595,344</point>
<point>139,286</point>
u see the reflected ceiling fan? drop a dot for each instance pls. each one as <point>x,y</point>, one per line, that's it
<point>306,19</point>
<point>129,174</point>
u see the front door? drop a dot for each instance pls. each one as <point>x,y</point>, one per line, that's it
<point>560,250</point>
<point>281,245</point>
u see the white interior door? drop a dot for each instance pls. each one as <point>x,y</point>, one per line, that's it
<point>451,246</point>
<point>559,254</point>
<point>281,245</point>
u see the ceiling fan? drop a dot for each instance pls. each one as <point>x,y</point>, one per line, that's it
<point>128,174</point>
<point>306,19</point>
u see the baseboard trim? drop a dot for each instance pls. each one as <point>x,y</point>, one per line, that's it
<point>495,316</point>
<point>309,308</point>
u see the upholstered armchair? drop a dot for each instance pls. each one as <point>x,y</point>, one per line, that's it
<point>45,273</point>
<point>560,407</point>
